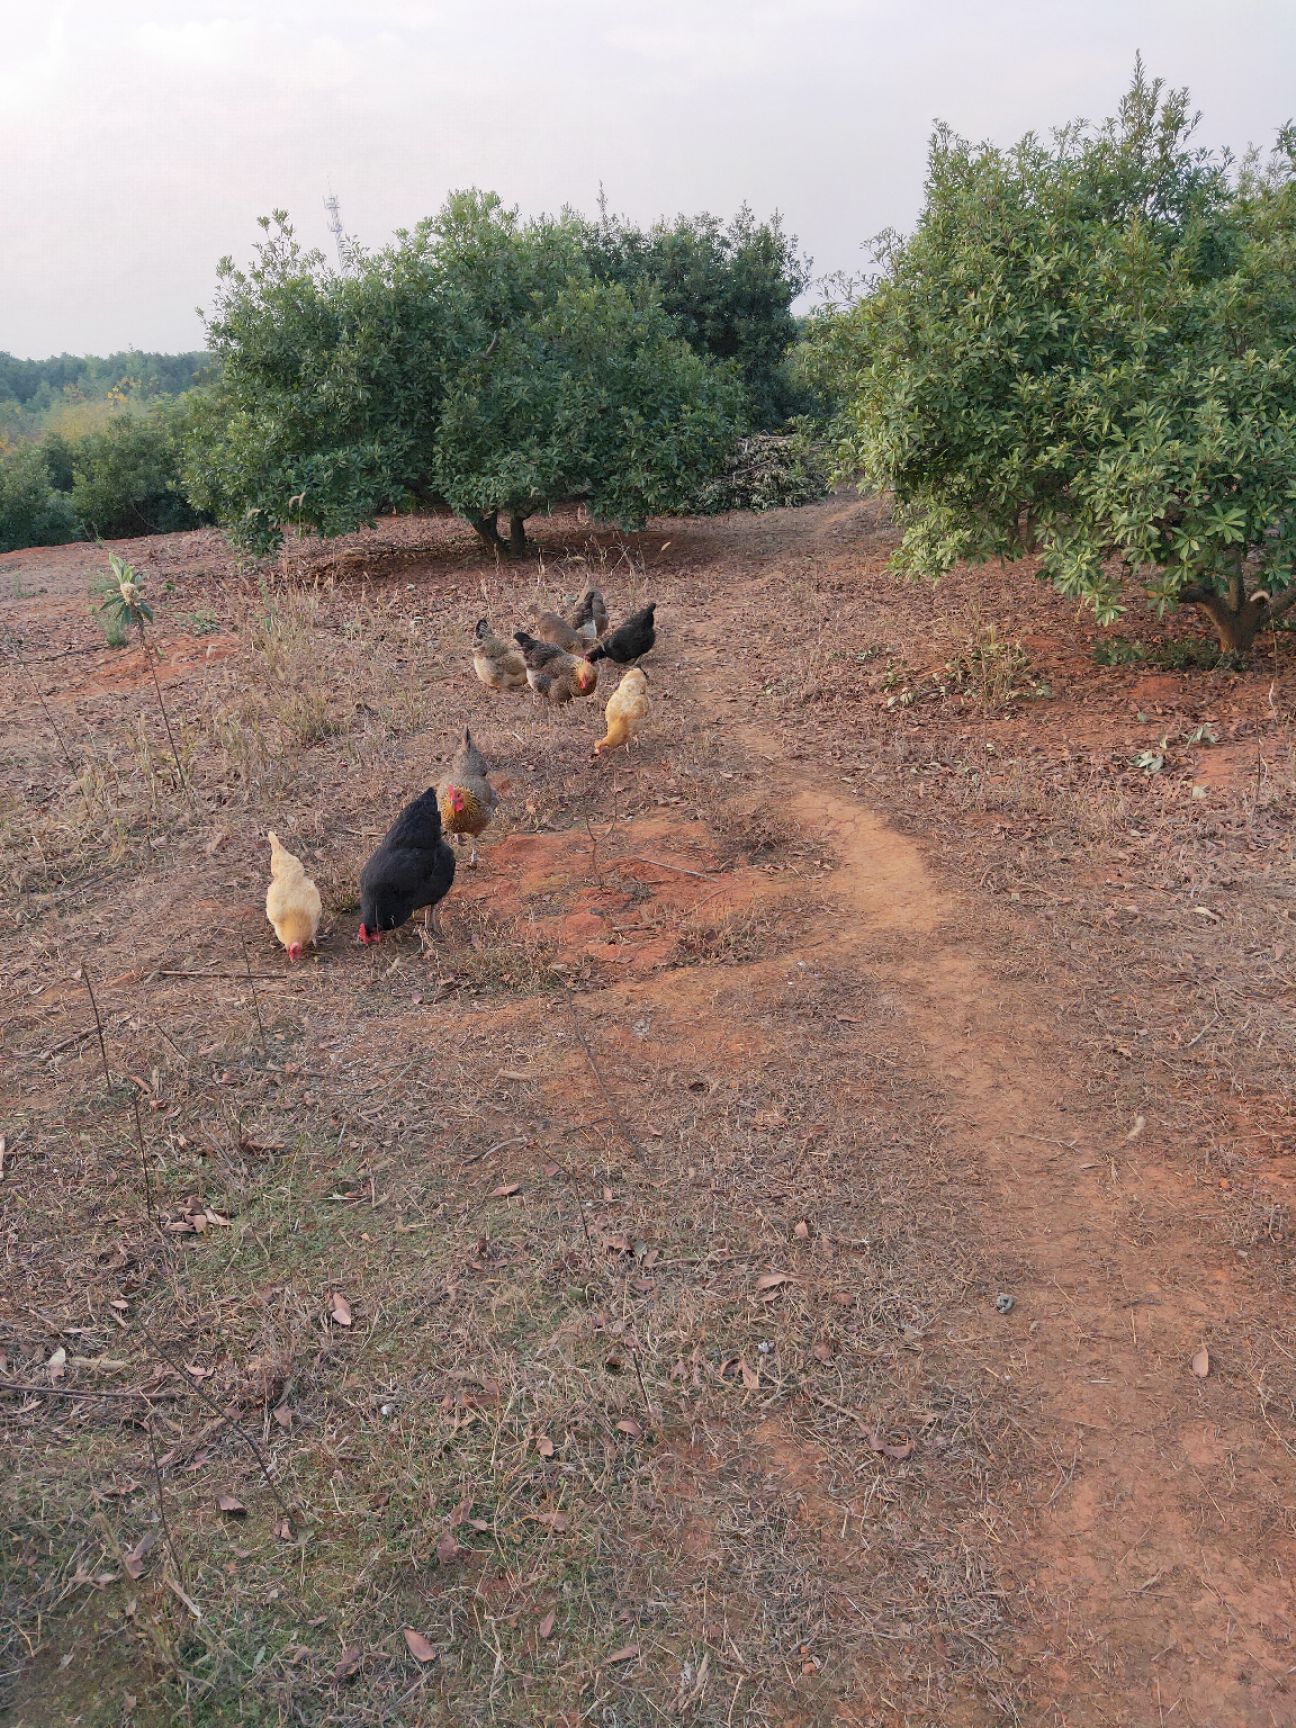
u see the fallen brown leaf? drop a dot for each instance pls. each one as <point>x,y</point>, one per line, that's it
<point>802,1231</point>
<point>505,1189</point>
<point>134,1561</point>
<point>230,1506</point>
<point>546,1626</point>
<point>348,1663</point>
<point>630,1427</point>
<point>448,1550</point>
<point>1201,1363</point>
<point>551,1521</point>
<point>339,1309</point>
<point>419,1648</point>
<point>544,1446</point>
<point>890,1449</point>
<point>773,1281</point>
<point>57,1363</point>
<point>627,1653</point>
<point>822,1351</point>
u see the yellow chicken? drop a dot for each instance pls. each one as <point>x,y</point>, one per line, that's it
<point>626,711</point>
<point>292,900</point>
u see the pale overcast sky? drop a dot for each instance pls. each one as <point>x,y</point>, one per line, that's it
<point>140,140</point>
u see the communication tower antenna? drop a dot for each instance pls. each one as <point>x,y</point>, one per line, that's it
<point>335,227</point>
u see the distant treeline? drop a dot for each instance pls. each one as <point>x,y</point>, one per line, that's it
<point>31,388</point>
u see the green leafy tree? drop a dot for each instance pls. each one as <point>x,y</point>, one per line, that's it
<point>476,361</point>
<point>728,286</point>
<point>126,477</point>
<point>1087,349</point>
<point>32,512</point>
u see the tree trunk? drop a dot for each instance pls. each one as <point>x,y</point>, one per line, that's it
<point>487,527</point>
<point>1237,620</point>
<point>517,534</point>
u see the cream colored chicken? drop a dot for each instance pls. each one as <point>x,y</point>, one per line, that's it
<point>626,711</point>
<point>292,900</point>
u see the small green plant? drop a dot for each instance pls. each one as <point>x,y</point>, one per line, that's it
<point>204,623</point>
<point>125,609</point>
<point>1119,651</point>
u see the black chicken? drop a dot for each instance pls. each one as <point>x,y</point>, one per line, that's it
<point>629,641</point>
<point>412,867</point>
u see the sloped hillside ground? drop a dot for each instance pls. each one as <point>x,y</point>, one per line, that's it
<point>810,1244</point>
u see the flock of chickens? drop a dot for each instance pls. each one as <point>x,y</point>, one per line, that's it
<point>413,866</point>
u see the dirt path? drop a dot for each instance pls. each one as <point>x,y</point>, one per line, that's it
<point>1144,1599</point>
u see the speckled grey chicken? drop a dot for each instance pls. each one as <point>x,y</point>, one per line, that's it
<point>465,796</point>
<point>588,616</point>
<point>553,673</point>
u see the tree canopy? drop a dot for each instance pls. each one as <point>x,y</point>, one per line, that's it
<point>479,360</point>
<point>1087,348</point>
<point>729,286</point>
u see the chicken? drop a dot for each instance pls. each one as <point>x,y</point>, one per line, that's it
<point>412,867</point>
<point>626,711</point>
<point>465,797</point>
<point>629,641</point>
<point>551,628</point>
<point>553,673</point>
<point>496,662</point>
<point>292,900</point>
<point>588,615</point>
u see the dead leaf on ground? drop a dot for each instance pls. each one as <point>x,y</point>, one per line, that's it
<point>134,1561</point>
<point>554,1522</point>
<point>546,1626</point>
<point>505,1190</point>
<point>1201,1363</point>
<point>627,1653</point>
<point>802,1231</point>
<point>773,1281</point>
<point>57,1363</point>
<point>631,1427</point>
<point>348,1663</point>
<point>339,1309</point>
<point>544,1446</point>
<point>822,1351</point>
<point>283,1416</point>
<point>896,1449</point>
<point>748,1375</point>
<point>230,1506</point>
<point>419,1648</point>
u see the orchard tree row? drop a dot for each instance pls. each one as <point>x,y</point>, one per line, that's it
<point>494,365</point>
